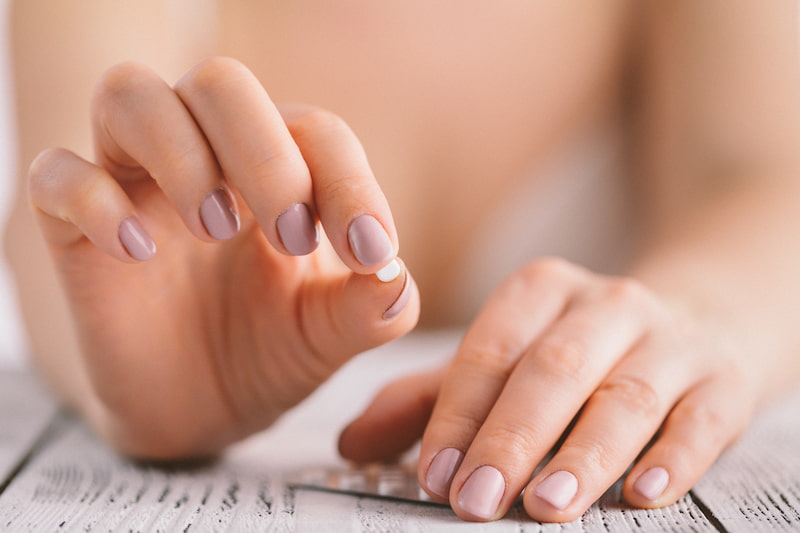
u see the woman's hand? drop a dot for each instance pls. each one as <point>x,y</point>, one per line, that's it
<point>560,351</point>
<point>187,252</point>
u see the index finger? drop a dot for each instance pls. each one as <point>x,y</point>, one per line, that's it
<point>490,350</point>
<point>254,149</point>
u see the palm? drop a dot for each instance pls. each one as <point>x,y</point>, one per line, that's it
<point>216,328</point>
<point>209,341</point>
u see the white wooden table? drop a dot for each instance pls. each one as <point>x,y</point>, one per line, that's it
<point>55,476</point>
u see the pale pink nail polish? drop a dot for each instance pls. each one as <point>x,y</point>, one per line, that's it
<point>402,299</point>
<point>558,489</point>
<point>218,215</point>
<point>369,241</point>
<point>136,240</point>
<point>481,494</point>
<point>297,230</point>
<point>652,483</point>
<point>443,468</point>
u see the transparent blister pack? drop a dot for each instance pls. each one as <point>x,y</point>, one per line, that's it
<point>394,481</point>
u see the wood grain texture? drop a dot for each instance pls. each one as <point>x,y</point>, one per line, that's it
<point>78,484</point>
<point>755,485</point>
<point>25,411</point>
<point>75,483</point>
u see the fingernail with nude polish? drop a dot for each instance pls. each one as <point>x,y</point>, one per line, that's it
<point>136,240</point>
<point>443,468</point>
<point>481,494</point>
<point>218,216</point>
<point>297,230</point>
<point>652,483</point>
<point>369,241</point>
<point>402,299</point>
<point>558,489</point>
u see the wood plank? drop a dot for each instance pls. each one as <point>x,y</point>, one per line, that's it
<point>76,483</point>
<point>25,412</point>
<point>755,485</point>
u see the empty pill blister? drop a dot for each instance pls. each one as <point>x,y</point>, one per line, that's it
<point>385,481</point>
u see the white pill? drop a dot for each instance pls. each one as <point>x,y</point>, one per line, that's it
<point>389,272</point>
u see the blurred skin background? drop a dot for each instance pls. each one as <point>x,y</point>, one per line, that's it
<point>559,154</point>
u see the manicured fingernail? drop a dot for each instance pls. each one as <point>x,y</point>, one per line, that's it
<point>297,230</point>
<point>218,216</point>
<point>558,489</point>
<point>369,241</point>
<point>482,492</point>
<point>652,483</point>
<point>443,468</point>
<point>136,240</point>
<point>389,272</point>
<point>402,299</point>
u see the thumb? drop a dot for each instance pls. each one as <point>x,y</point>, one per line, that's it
<point>394,421</point>
<point>357,312</point>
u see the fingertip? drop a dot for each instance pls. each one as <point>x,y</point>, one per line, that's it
<point>385,309</point>
<point>135,239</point>
<point>404,297</point>
<point>298,230</point>
<point>219,215</point>
<point>553,499</point>
<point>393,422</point>
<point>650,487</point>
<point>438,476</point>
<point>370,438</point>
<point>349,313</point>
<point>76,200</point>
<point>369,241</point>
<point>348,443</point>
<point>652,483</point>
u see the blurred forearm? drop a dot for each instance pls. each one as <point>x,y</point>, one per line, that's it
<point>720,171</point>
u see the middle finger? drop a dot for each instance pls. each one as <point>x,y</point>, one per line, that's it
<point>254,149</point>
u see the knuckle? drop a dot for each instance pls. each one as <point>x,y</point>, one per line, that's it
<point>211,73</point>
<point>46,182</point>
<point>594,453</point>
<point>549,271</point>
<point>487,360</point>
<point>181,162</point>
<point>44,165</point>
<point>459,422</point>
<point>633,392</point>
<point>273,159</point>
<point>119,82</point>
<point>712,419</point>
<point>351,187</point>
<point>316,120</point>
<point>516,438</point>
<point>626,291</point>
<point>551,268</point>
<point>563,358</point>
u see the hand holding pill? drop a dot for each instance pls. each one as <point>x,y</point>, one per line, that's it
<point>192,254</point>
